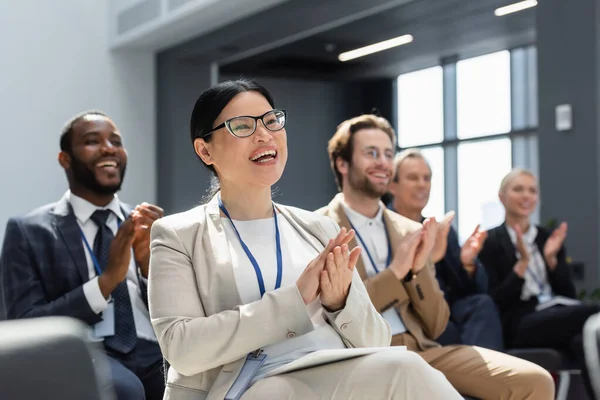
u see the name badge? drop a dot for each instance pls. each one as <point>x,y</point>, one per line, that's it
<point>247,374</point>
<point>544,298</point>
<point>106,327</point>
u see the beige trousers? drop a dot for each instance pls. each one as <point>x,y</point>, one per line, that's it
<point>390,374</point>
<point>491,375</point>
<point>486,374</point>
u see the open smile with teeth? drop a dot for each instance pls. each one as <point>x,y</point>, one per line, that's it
<point>265,156</point>
<point>107,164</point>
<point>380,175</point>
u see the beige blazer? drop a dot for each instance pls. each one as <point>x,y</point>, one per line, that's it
<point>203,329</point>
<point>420,302</point>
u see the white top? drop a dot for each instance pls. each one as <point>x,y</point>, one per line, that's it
<point>536,271</point>
<point>259,237</point>
<point>83,210</point>
<point>373,232</point>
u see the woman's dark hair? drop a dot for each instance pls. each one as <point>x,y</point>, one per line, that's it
<point>209,106</point>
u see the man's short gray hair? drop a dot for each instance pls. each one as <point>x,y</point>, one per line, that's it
<point>405,154</point>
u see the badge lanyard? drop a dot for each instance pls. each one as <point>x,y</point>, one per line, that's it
<point>89,248</point>
<point>541,284</point>
<point>259,277</point>
<point>364,245</point>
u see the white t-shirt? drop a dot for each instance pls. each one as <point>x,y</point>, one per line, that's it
<point>259,237</point>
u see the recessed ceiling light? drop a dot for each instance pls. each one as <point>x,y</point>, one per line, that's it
<point>374,48</point>
<point>512,8</point>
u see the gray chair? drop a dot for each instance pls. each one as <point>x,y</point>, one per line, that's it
<point>591,349</point>
<point>50,358</point>
<point>553,361</point>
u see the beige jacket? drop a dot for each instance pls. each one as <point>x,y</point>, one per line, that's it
<point>420,302</point>
<point>203,329</point>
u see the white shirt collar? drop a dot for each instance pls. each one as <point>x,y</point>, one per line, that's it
<point>83,209</point>
<point>528,237</point>
<point>359,221</point>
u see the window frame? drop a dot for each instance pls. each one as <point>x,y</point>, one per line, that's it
<point>524,124</point>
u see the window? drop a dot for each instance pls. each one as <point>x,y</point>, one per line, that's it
<point>474,120</point>
<point>483,95</point>
<point>481,167</point>
<point>436,205</point>
<point>420,107</point>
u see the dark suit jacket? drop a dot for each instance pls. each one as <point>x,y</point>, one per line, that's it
<point>43,266</point>
<point>452,277</point>
<point>499,257</point>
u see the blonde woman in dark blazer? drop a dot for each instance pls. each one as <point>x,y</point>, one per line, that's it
<point>530,279</point>
<point>241,287</point>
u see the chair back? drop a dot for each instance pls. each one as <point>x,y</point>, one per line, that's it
<point>591,349</point>
<point>49,358</point>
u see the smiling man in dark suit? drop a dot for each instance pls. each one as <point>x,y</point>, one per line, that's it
<point>474,318</point>
<point>87,256</point>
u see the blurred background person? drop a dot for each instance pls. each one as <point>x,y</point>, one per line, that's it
<point>87,257</point>
<point>396,268</point>
<point>529,277</point>
<point>474,319</point>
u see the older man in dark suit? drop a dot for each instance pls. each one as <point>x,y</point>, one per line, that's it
<point>474,319</point>
<point>87,256</point>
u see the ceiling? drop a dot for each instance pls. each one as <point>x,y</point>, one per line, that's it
<point>302,38</point>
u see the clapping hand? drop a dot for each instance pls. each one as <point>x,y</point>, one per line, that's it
<point>441,240</point>
<point>423,254</point>
<point>471,249</point>
<point>144,215</point>
<point>337,276</point>
<point>309,282</point>
<point>119,257</point>
<point>554,244</point>
<point>404,258</point>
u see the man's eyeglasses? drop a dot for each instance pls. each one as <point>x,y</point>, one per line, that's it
<point>374,153</point>
<point>245,126</point>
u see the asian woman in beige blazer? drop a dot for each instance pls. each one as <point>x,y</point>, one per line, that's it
<point>242,289</point>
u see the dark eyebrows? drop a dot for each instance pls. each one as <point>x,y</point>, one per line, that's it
<point>114,133</point>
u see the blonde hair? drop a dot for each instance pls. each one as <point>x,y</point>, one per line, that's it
<point>514,173</point>
<point>341,145</point>
<point>406,154</point>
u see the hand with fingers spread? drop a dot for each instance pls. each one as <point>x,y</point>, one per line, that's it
<point>554,244</point>
<point>423,255</point>
<point>441,240</point>
<point>404,258</point>
<point>119,257</point>
<point>471,249</point>
<point>521,266</point>
<point>309,282</point>
<point>144,215</point>
<point>337,277</point>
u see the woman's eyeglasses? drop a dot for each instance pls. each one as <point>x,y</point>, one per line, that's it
<point>245,126</point>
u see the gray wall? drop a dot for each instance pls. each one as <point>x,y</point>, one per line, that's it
<point>568,41</point>
<point>182,180</point>
<point>44,85</point>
